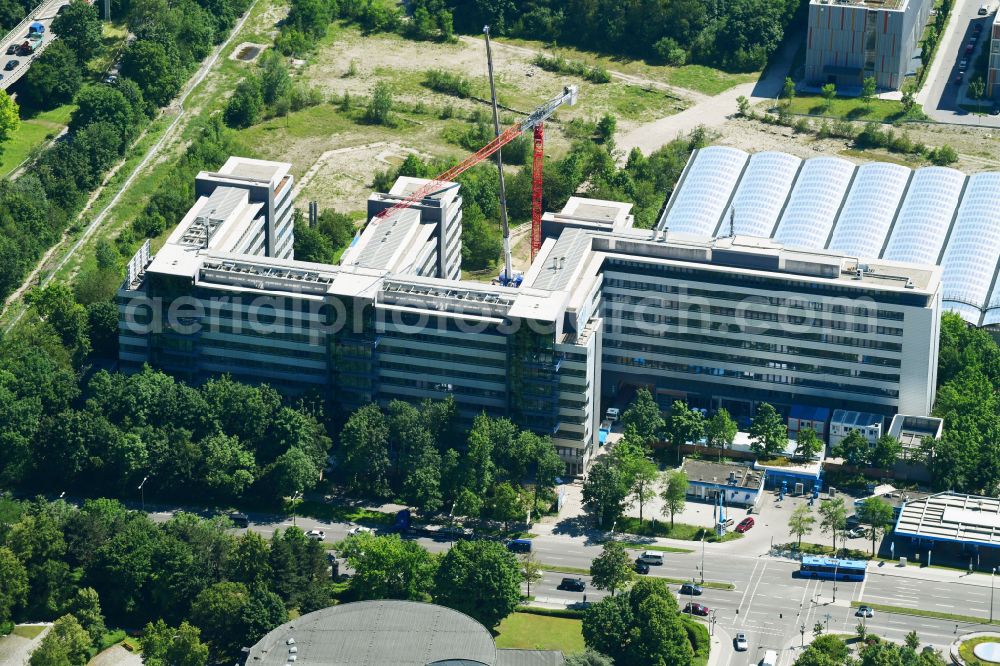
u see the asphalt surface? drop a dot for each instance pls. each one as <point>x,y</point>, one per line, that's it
<point>941,95</point>
<point>43,13</point>
<point>770,604</point>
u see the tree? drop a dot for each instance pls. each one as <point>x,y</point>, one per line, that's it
<point>311,245</point>
<point>912,640</point>
<point>685,424</point>
<point>909,99</point>
<point>481,579</point>
<point>103,103</point>
<point>531,570</point>
<point>642,626</point>
<point>720,430</point>
<point>829,92</point>
<point>233,616</point>
<point>854,449</point>
<point>743,105</point>
<point>364,451</point>
<point>612,569</point>
<point>788,92</point>
<point>66,644</point>
<point>549,466</point>
<point>79,26</point>
<point>481,241</point>
<point>13,584</point>
<point>229,467</point>
<point>643,414</point>
<point>977,87</point>
<point>605,491</point>
<point>670,52</point>
<point>163,645</point>
<point>644,474</point>
<point>379,110</point>
<point>86,608</point>
<point>245,105</point>
<point>943,155</point>
<point>768,434</point>
<point>606,133</point>
<point>386,567</point>
<point>833,517</point>
<point>422,486</point>
<point>808,444</point>
<point>861,631</point>
<point>868,88</point>
<point>877,513</point>
<point>292,472</point>
<point>506,504</point>
<point>274,79</point>
<point>10,117</point>
<point>800,522</point>
<point>53,78</point>
<point>675,486</point>
<point>885,453</point>
<point>588,658</point>
<point>149,65</point>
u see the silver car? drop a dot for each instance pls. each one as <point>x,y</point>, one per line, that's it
<point>740,643</point>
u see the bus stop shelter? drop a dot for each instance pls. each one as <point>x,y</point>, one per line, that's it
<point>961,529</point>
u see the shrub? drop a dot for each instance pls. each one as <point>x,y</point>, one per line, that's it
<point>943,156</point>
<point>448,83</point>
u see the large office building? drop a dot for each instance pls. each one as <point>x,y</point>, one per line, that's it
<point>729,321</point>
<point>851,40</point>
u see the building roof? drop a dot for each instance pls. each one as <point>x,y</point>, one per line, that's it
<point>891,5</point>
<point>911,430</point>
<point>877,210</point>
<point>397,633</point>
<point>849,418</point>
<point>726,474</point>
<point>952,517</point>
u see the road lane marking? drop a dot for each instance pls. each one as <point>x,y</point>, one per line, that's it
<point>755,588</point>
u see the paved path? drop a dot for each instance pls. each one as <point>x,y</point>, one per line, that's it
<point>710,111</point>
<point>16,650</point>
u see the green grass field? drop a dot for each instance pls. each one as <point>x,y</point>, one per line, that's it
<point>879,110</point>
<point>28,630</point>
<point>31,134</point>
<point>539,632</point>
<point>682,531</point>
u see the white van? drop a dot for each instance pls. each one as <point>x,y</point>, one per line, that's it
<point>770,658</point>
<point>651,557</point>
<point>612,414</point>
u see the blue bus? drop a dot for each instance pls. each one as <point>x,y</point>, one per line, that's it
<point>828,568</point>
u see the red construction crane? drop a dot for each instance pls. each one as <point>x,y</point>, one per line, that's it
<point>533,122</point>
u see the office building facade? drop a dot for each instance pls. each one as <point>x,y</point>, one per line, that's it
<point>851,40</point>
<point>604,307</point>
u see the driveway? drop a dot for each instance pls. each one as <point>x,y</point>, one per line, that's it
<point>16,650</point>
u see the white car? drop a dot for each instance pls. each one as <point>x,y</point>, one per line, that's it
<point>318,535</point>
<point>740,642</point>
<point>865,611</point>
<point>359,529</point>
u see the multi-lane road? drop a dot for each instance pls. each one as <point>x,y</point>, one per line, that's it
<point>769,603</point>
<point>43,13</point>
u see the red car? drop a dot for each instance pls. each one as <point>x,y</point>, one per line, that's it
<point>958,78</point>
<point>745,524</point>
<point>696,609</point>
<point>969,48</point>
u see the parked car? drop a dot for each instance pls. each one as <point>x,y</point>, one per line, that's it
<point>12,49</point>
<point>855,533</point>
<point>691,589</point>
<point>652,557</point>
<point>977,28</point>
<point>696,609</point>
<point>865,611</point>
<point>519,545</point>
<point>239,519</point>
<point>641,567</point>
<point>359,529</point>
<point>969,48</point>
<point>11,64</point>
<point>959,77</point>
<point>984,10</point>
<point>740,643</point>
<point>963,63</point>
<point>572,584</point>
<point>612,414</point>
<point>745,524</point>
<point>317,535</point>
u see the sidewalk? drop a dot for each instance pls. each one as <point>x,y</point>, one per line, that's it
<point>930,573</point>
<point>721,652</point>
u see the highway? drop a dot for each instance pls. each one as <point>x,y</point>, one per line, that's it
<point>769,603</point>
<point>43,13</point>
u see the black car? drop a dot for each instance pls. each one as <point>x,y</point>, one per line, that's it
<point>641,567</point>
<point>691,589</point>
<point>573,584</point>
<point>239,519</point>
<point>11,64</point>
<point>12,49</point>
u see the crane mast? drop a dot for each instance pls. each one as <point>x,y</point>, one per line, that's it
<point>508,267</point>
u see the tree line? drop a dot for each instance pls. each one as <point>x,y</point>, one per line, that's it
<point>827,649</point>
<point>201,591</point>
<point>494,470</point>
<point>169,40</point>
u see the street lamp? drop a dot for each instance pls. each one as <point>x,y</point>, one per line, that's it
<point>702,558</point>
<point>711,624</point>
<point>295,497</point>
<point>835,567</point>
<point>142,493</point>
<point>802,632</point>
<point>991,593</point>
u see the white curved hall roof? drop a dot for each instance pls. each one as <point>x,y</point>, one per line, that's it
<point>877,210</point>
